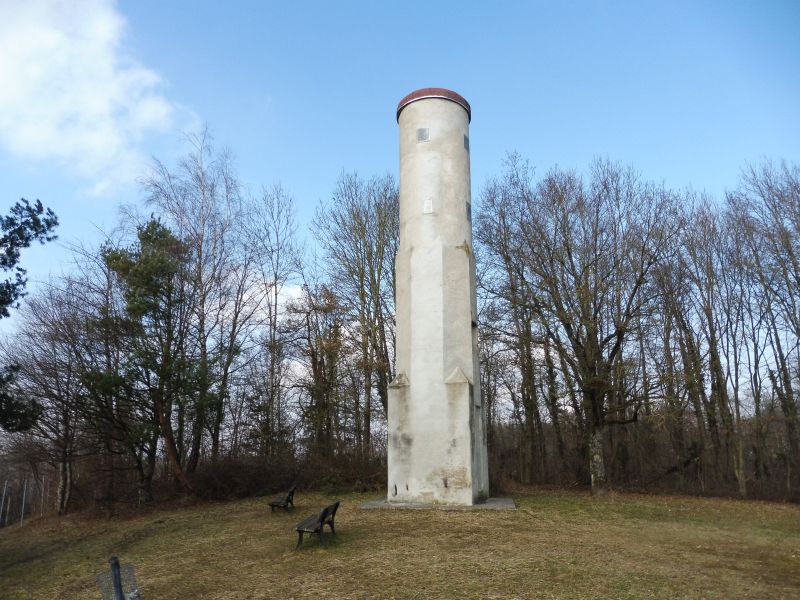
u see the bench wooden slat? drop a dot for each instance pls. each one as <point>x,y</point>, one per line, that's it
<point>311,524</point>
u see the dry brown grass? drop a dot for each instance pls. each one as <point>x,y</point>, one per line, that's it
<point>558,544</point>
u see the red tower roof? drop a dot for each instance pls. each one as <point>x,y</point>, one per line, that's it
<point>423,93</point>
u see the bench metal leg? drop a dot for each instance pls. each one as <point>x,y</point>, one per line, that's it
<point>299,540</point>
<point>322,535</point>
<point>332,529</point>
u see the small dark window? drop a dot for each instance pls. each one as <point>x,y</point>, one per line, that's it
<point>469,211</point>
<point>466,143</point>
<point>423,134</point>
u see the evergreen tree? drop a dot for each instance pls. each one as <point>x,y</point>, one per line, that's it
<point>26,223</point>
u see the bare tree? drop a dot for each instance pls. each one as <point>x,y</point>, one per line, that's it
<point>272,236</point>
<point>46,374</point>
<point>768,206</point>
<point>202,203</point>
<point>317,321</point>
<point>588,252</point>
<point>359,230</point>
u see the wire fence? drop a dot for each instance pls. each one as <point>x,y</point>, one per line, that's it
<point>23,497</point>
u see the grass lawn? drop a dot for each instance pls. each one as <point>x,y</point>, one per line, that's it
<point>558,544</point>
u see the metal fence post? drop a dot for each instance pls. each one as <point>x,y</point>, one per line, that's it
<point>116,578</point>
<point>22,510</point>
<point>3,502</point>
<point>8,508</point>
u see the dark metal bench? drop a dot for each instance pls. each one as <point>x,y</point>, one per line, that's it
<point>316,524</point>
<point>283,502</point>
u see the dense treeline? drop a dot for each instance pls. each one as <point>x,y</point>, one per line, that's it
<point>630,336</point>
<point>640,337</point>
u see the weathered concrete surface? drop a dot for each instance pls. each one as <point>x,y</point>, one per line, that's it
<point>437,436</point>
<point>490,504</point>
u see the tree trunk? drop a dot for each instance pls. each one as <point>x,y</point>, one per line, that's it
<point>64,483</point>
<point>552,406</point>
<point>782,383</point>
<point>198,426</point>
<point>172,451</point>
<point>597,463</point>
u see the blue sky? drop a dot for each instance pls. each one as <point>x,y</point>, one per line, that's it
<point>687,92</point>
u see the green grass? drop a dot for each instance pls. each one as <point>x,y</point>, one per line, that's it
<point>558,544</point>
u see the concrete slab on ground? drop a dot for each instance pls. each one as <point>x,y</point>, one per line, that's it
<point>490,504</point>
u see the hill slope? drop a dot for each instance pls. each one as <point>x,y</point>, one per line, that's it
<point>558,544</point>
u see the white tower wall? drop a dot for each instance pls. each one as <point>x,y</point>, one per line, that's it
<point>437,440</point>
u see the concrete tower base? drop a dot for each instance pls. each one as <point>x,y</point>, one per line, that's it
<point>490,504</point>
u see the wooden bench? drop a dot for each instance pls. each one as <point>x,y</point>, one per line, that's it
<point>283,502</point>
<point>316,524</point>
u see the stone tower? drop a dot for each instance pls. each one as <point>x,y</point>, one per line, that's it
<point>437,424</point>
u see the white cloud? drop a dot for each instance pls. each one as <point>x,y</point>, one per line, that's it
<point>69,92</point>
<point>289,293</point>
